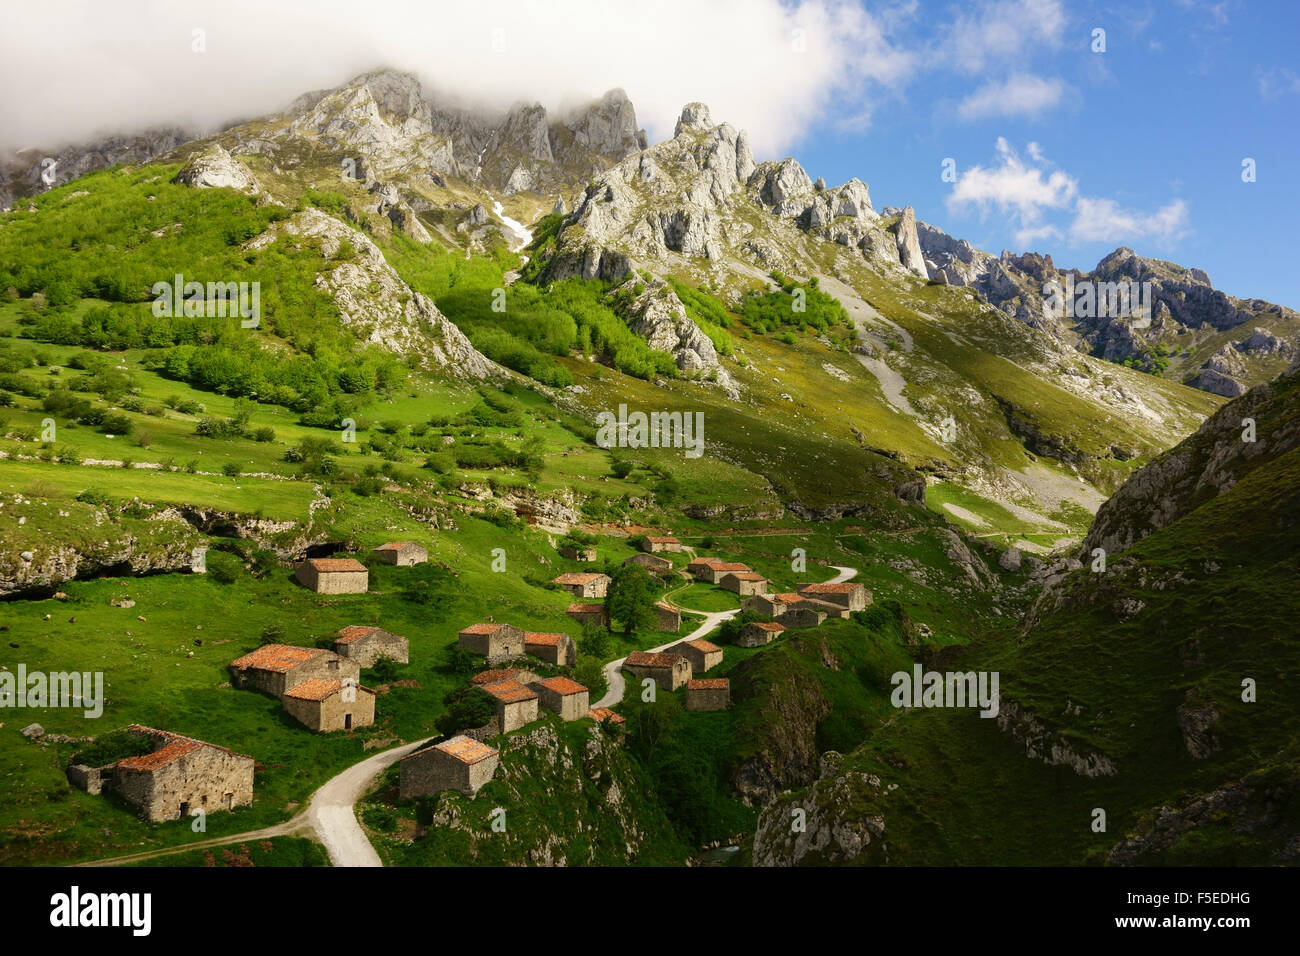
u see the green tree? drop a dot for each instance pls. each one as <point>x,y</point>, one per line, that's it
<point>630,598</point>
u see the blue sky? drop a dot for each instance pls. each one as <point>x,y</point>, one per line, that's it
<point>1062,150</point>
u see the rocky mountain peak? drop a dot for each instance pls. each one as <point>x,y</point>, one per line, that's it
<point>608,126</point>
<point>695,116</point>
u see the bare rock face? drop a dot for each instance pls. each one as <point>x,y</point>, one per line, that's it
<point>909,247</point>
<point>695,117</point>
<point>660,318</point>
<point>380,116</point>
<point>214,168</point>
<point>559,208</point>
<point>839,827</point>
<point>374,300</point>
<point>608,126</point>
<point>391,204</point>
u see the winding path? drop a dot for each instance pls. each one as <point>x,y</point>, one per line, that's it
<point>331,813</point>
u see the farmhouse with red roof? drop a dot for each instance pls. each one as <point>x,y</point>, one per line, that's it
<point>461,763</point>
<point>365,645</point>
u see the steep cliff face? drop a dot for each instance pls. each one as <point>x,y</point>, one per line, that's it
<point>1256,429</point>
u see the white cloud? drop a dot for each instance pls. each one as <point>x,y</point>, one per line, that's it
<point>1028,237</point>
<point>1277,81</point>
<point>88,67</point>
<point>1012,187</point>
<point>1103,220</point>
<point>997,31</point>
<point>1021,94</point>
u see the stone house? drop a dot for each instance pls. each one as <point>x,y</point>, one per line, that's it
<point>178,775</point>
<point>583,584</point>
<point>829,608</point>
<point>703,655</point>
<point>555,649</point>
<point>365,645</point>
<point>657,544</point>
<point>801,616</point>
<point>847,594</point>
<point>667,617</point>
<point>322,703</point>
<point>460,763</point>
<point>744,583</point>
<point>581,553</point>
<point>713,573</point>
<point>770,605</point>
<point>494,641</point>
<point>589,613</point>
<point>709,694</point>
<point>274,668</point>
<point>402,553</point>
<point>602,714</point>
<point>651,562</point>
<point>759,633</point>
<point>668,670</point>
<point>696,566</point>
<point>333,575</point>
<point>563,696</point>
<point>516,704</point>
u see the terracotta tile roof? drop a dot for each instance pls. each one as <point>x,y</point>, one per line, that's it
<point>709,683</point>
<point>495,676</point>
<point>316,688</point>
<point>161,757</point>
<point>354,632</point>
<point>730,566</point>
<point>767,625</point>
<point>576,577</point>
<point>563,686</point>
<point>705,646</point>
<point>666,606</point>
<point>336,564</point>
<point>703,561</point>
<point>662,540</point>
<point>482,629</point>
<point>585,608</point>
<point>599,714</point>
<point>543,640</point>
<point>644,659</point>
<point>843,587</point>
<point>174,746</point>
<point>746,576</point>
<point>465,749</point>
<point>280,658</point>
<point>786,597</point>
<point>393,546</point>
<point>509,691</point>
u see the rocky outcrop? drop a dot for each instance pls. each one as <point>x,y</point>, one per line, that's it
<point>214,168</point>
<point>829,824</point>
<point>1041,743</point>
<point>374,301</point>
<point>909,247</point>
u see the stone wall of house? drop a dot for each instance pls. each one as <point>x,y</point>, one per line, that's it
<point>667,678</point>
<point>801,617</point>
<point>334,710</point>
<point>667,619</point>
<point>405,557</point>
<point>506,641</point>
<point>373,647</point>
<point>342,582</point>
<point>208,778</point>
<point>513,716</point>
<point>433,771</point>
<point>708,698</point>
<point>569,707</point>
<point>90,779</point>
<point>751,636</point>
